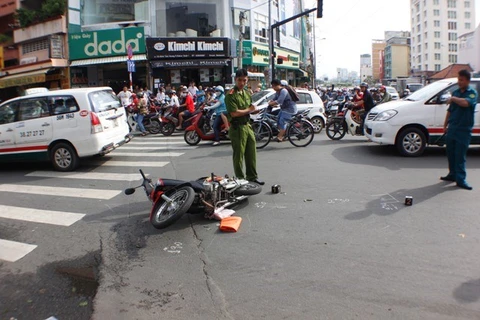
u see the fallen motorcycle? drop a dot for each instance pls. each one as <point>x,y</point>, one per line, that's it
<point>173,198</point>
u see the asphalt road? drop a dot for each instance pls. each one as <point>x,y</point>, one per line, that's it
<point>337,244</point>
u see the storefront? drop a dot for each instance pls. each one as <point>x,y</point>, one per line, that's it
<point>99,58</point>
<point>289,69</point>
<point>176,61</point>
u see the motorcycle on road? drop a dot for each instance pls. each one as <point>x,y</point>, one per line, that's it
<point>349,120</point>
<point>151,121</point>
<point>173,198</point>
<point>200,128</point>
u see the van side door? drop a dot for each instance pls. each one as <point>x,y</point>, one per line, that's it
<point>8,114</point>
<point>33,129</point>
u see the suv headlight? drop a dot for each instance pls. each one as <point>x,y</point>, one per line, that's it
<point>385,115</point>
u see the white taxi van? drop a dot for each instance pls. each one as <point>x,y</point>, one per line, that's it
<point>417,121</point>
<point>62,126</point>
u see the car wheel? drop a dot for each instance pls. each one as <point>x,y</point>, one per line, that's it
<point>411,142</point>
<point>318,124</point>
<point>64,157</point>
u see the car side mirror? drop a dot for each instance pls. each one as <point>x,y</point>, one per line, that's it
<point>445,97</point>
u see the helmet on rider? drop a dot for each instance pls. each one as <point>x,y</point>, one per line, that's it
<point>356,88</point>
<point>140,94</point>
<point>284,83</point>
<point>219,89</point>
<point>364,85</point>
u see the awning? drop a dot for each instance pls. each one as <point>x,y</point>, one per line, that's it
<point>25,78</point>
<point>189,63</point>
<point>106,60</point>
<point>305,73</point>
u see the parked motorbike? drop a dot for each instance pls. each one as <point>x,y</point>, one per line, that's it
<point>173,198</point>
<point>347,121</point>
<point>201,129</point>
<point>151,121</point>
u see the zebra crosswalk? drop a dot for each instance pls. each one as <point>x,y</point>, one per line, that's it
<point>92,182</point>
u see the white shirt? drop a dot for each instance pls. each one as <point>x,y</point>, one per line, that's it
<point>193,90</point>
<point>125,97</point>
<point>161,97</point>
<point>174,101</point>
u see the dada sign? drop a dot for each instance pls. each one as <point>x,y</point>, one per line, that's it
<point>106,43</point>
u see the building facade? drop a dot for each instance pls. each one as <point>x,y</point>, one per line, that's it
<point>436,26</point>
<point>366,71</point>
<point>469,49</point>
<point>378,46</point>
<point>397,55</point>
<point>34,51</point>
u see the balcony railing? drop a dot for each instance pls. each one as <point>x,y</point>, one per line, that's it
<point>41,30</point>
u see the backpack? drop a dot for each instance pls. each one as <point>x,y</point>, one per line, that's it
<point>293,94</point>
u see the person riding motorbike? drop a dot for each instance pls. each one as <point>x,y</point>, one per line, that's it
<point>287,105</point>
<point>367,102</point>
<point>189,105</point>
<point>142,112</point>
<point>386,97</point>
<point>221,114</point>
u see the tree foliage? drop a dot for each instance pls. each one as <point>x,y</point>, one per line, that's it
<point>50,9</point>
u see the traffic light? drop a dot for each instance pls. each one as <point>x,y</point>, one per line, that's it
<point>319,8</point>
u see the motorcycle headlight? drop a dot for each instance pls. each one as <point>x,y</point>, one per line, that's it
<point>385,115</point>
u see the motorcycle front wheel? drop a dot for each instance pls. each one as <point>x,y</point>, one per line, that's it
<point>167,129</point>
<point>167,213</point>
<point>154,127</point>
<point>336,130</point>
<point>192,138</point>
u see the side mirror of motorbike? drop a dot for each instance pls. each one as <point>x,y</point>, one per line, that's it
<point>129,191</point>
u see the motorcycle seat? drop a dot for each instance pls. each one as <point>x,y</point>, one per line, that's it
<point>173,183</point>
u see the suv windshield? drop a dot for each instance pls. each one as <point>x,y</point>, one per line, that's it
<point>103,101</point>
<point>428,91</point>
<point>259,95</point>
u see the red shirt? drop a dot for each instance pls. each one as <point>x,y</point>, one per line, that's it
<point>189,103</point>
<point>360,97</point>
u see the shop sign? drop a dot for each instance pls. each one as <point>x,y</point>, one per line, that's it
<point>20,81</point>
<point>168,48</point>
<point>255,54</point>
<point>290,60</point>
<point>189,63</point>
<point>106,43</point>
<point>56,46</point>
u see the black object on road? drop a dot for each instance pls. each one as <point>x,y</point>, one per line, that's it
<point>276,189</point>
<point>408,200</point>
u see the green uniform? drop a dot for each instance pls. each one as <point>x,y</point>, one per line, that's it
<point>459,134</point>
<point>241,135</point>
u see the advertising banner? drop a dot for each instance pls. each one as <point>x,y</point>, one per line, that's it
<point>178,48</point>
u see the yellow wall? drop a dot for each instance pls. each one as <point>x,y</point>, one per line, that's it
<point>400,61</point>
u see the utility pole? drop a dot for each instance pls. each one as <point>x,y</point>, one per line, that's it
<point>270,41</point>
<point>240,44</point>
<point>314,60</point>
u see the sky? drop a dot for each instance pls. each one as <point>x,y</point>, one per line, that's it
<point>349,26</point>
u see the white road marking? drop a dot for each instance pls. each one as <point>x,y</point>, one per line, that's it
<point>58,218</point>
<point>161,138</point>
<point>143,154</point>
<point>158,148</point>
<point>61,192</point>
<point>12,251</point>
<point>138,164</point>
<point>87,175</point>
<point>158,143</point>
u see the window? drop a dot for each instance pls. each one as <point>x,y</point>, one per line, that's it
<point>104,100</point>
<point>418,28</point>
<point>426,45</point>
<point>438,45</point>
<point>452,25</point>
<point>99,11</point>
<point>437,34</point>
<point>426,56</point>
<point>438,67</point>
<point>452,58</point>
<point>419,48</point>
<point>436,23</point>
<point>425,24</point>
<point>63,104</point>
<point>33,108</point>
<point>305,98</point>
<point>426,67</point>
<point>467,4</point>
<point>419,38</point>
<point>436,13</point>
<point>418,18</point>
<point>452,3</point>
<point>452,36</point>
<point>8,112</point>
<point>468,25</point>
<point>35,46</point>
<point>436,2</point>
<point>452,15</point>
<point>467,15</point>
<point>452,47</point>
<point>426,36</point>
<point>424,14</point>
<point>437,56</point>
<point>419,58</point>
<point>260,25</point>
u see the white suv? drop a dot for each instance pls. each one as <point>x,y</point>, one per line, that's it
<point>62,126</point>
<point>413,123</point>
<point>308,99</point>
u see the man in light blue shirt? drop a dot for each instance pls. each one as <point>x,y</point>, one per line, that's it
<point>288,107</point>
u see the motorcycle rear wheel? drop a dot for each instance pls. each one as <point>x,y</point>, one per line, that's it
<point>336,130</point>
<point>167,129</point>
<point>154,127</point>
<point>263,134</point>
<point>301,133</point>
<point>165,214</point>
<point>192,138</point>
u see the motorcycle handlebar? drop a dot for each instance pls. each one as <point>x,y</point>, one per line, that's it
<point>143,175</point>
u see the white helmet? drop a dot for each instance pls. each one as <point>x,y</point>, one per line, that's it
<point>219,88</point>
<point>284,83</point>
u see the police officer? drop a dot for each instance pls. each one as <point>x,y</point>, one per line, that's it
<point>458,129</point>
<point>239,108</point>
